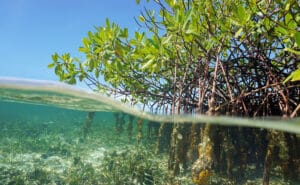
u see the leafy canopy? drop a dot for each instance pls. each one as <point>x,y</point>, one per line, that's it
<point>180,46</point>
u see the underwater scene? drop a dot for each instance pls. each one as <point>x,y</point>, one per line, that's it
<point>54,134</point>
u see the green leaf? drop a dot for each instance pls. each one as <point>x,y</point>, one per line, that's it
<point>297,38</point>
<point>281,30</point>
<point>288,18</point>
<point>97,73</point>
<point>292,51</point>
<point>287,6</point>
<point>134,42</point>
<point>72,80</point>
<point>58,70</point>
<point>91,65</point>
<point>142,18</point>
<point>55,57</point>
<point>241,13</point>
<point>118,65</point>
<point>125,33</point>
<point>165,40</point>
<point>297,18</point>
<point>292,26</point>
<point>187,19</point>
<point>85,42</point>
<point>235,22</point>
<point>138,1</point>
<point>107,23</point>
<point>153,43</point>
<point>51,65</point>
<point>294,76</point>
<point>238,33</point>
<point>81,77</point>
<point>83,49</point>
<point>171,3</point>
<point>90,34</point>
<point>149,63</point>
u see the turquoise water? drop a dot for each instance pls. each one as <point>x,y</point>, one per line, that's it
<point>52,133</point>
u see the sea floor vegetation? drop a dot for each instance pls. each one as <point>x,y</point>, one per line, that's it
<point>52,152</point>
<point>32,152</point>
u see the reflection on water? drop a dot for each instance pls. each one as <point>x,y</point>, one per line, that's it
<point>72,137</point>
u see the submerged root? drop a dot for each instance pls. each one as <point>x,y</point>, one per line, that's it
<point>201,169</point>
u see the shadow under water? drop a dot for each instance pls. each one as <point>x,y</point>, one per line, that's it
<point>54,134</point>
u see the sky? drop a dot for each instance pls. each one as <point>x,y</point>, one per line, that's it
<point>32,30</point>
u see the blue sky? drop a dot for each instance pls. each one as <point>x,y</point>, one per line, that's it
<point>32,30</point>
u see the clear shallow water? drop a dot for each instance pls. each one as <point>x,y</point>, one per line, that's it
<point>68,97</point>
<point>50,134</point>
